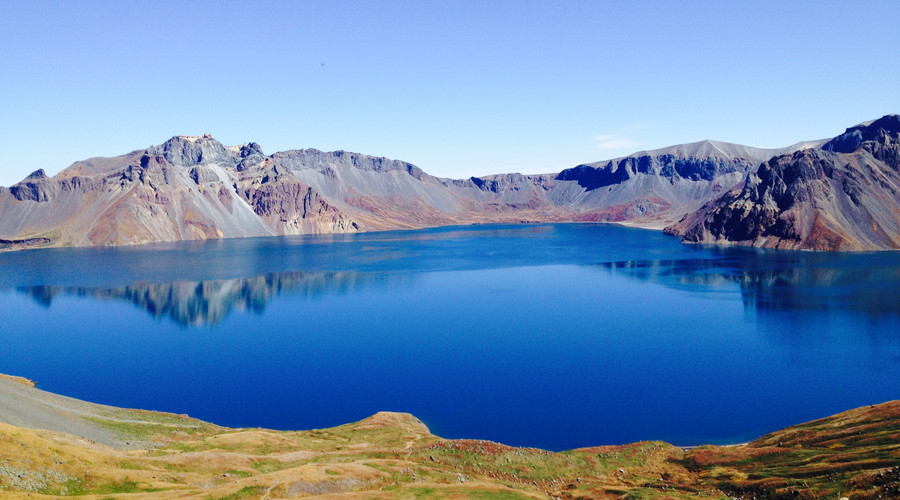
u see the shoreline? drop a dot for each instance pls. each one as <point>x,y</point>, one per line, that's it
<point>394,455</point>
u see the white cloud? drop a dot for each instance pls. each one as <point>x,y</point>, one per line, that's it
<point>614,141</point>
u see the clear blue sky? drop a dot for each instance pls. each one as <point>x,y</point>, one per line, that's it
<point>459,88</point>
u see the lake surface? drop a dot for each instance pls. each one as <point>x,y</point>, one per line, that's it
<point>552,336</point>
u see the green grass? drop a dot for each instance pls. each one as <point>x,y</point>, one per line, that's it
<point>266,465</point>
<point>68,488</point>
<point>123,486</point>
<point>129,465</point>
<point>379,468</point>
<point>466,493</point>
<point>245,492</point>
<point>128,430</point>
<point>669,493</point>
<point>238,473</point>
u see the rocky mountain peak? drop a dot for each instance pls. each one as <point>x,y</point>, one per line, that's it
<point>250,149</point>
<point>36,187</point>
<point>187,151</point>
<point>250,154</point>
<point>37,174</point>
<point>878,130</point>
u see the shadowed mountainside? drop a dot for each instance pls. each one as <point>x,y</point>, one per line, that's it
<point>655,186</point>
<point>394,455</point>
<point>842,196</point>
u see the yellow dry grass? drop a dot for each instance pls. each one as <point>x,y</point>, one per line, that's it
<point>393,455</point>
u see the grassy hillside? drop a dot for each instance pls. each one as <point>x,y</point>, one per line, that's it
<point>393,455</point>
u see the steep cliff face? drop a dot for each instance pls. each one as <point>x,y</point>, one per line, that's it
<point>289,206</point>
<point>843,196</point>
<point>187,188</point>
<point>377,192</point>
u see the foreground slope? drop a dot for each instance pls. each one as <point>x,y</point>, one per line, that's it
<point>393,455</point>
<point>842,196</point>
<point>196,188</point>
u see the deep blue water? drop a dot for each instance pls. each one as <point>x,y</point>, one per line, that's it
<point>553,336</point>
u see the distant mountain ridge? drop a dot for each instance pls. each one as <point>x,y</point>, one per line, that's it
<point>842,196</point>
<point>193,187</point>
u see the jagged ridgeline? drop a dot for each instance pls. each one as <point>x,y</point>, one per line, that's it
<point>196,188</point>
<point>842,196</point>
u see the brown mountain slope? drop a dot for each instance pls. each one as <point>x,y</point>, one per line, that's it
<point>844,196</point>
<point>393,455</point>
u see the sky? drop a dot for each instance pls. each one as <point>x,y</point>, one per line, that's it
<point>458,88</point>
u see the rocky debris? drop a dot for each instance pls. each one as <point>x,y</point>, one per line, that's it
<point>323,487</point>
<point>19,479</point>
<point>23,243</point>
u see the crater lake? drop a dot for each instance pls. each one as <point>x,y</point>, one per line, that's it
<point>553,336</point>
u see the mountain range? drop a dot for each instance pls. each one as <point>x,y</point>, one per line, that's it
<point>840,194</point>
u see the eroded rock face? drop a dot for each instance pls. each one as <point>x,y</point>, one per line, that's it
<point>36,187</point>
<point>185,151</point>
<point>292,207</point>
<point>186,188</point>
<point>844,196</point>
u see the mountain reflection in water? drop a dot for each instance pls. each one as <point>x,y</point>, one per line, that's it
<point>198,303</point>
<point>769,282</point>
